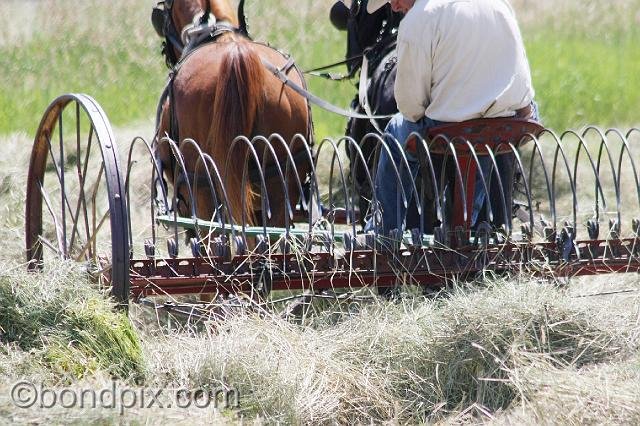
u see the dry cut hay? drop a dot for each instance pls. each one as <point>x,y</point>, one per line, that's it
<point>68,327</point>
<point>415,360</point>
<point>607,393</point>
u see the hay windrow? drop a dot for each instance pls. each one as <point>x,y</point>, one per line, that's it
<point>411,361</point>
<point>606,393</point>
<point>69,326</point>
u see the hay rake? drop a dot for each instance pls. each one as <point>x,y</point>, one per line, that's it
<point>569,205</point>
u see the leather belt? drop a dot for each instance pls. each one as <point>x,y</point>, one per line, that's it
<point>525,112</point>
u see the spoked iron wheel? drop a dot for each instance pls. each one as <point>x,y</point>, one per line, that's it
<point>75,200</point>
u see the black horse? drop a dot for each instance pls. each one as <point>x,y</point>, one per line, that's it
<point>371,38</point>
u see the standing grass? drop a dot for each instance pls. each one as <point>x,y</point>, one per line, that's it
<point>585,63</point>
<point>105,49</point>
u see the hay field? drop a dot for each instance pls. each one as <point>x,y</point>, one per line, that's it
<point>500,351</point>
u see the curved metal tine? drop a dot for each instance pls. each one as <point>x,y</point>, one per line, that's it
<point>450,147</point>
<point>525,181</point>
<point>412,189</point>
<point>312,171</point>
<point>405,165</point>
<point>441,141</point>
<point>537,149</point>
<point>350,202</point>
<point>377,141</point>
<point>354,168</point>
<point>268,146</point>
<point>631,131</point>
<point>560,150</point>
<point>212,166</point>
<point>599,193</point>
<point>155,172</point>
<point>175,151</point>
<point>486,183</point>
<point>604,145</point>
<point>335,156</point>
<point>194,201</point>
<point>625,148</point>
<point>459,175</point>
<point>290,163</point>
<point>266,209</point>
<point>156,175</point>
<point>422,154</point>
<point>190,143</point>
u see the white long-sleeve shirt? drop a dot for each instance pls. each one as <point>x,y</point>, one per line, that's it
<point>461,59</point>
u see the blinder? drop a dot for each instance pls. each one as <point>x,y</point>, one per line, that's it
<point>163,25</point>
<point>339,15</point>
<point>158,18</point>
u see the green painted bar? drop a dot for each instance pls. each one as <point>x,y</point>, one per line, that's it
<point>252,231</point>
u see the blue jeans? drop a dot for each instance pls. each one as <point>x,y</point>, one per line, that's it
<point>388,188</point>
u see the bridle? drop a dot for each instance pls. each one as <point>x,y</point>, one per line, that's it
<point>162,20</point>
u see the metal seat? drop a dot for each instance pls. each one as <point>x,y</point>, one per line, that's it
<point>456,140</point>
<point>495,133</point>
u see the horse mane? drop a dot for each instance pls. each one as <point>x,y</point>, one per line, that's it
<point>237,102</point>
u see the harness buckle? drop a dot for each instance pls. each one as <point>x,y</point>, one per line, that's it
<point>198,29</point>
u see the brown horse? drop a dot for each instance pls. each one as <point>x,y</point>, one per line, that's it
<point>221,90</point>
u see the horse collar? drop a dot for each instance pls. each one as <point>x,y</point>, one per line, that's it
<point>203,35</point>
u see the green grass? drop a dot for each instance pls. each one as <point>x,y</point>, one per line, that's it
<point>585,70</point>
<point>580,82</point>
<point>122,70</point>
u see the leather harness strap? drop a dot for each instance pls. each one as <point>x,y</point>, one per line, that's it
<point>363,95</point>
<point>173,132</point>
<point>282,76</point>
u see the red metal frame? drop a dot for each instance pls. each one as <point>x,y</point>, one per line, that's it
<point>426,266</point>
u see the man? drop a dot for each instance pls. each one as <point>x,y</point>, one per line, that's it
<point>371,39</point>
<point>457,60</point>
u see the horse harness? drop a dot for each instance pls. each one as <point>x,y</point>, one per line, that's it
<point>163,24</point>
<point>203,31</point>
